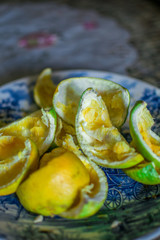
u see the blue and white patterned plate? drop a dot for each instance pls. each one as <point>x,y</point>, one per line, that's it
<point>16,100</point>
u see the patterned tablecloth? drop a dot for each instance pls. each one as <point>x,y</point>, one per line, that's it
<point>62,37</point>
<point>111,36</point>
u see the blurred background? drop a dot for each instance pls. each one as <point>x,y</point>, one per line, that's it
<point>115,36</point>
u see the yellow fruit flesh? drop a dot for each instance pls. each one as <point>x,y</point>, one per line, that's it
<point>67,95</point>
<point>69,110</point>
<point>144,127</point>
<point>106,139</point>
<point>115,104</point>
<point>19,157</point>
<point>9,147</point>
<point>31,126</point>
<point>58,183</point>
<point>94,180</point>
<point>48,91</point>
<point>47,157</point>
<point>92,196</point>
<point>70,145</point>
<point>62,130</point>
<point>11,173</point>
<point>95,121</point>
<point>155,146</point>
<point>95,116</point>
<point>44,89</point>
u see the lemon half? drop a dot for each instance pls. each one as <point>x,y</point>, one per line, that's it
<point>67,95</point>
<point>39,126</point>
<point>145,140</point>
<point>18,158</point>
<point>44,89</point>
<point>98,138</point>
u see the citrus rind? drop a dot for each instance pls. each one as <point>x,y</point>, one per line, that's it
<point>145,173</point>
<point>93,196</point>
<point>98,139</point>
<point>67,95</point>
<point>81,201</point>
<point>90,202</point>
<point>39,126</point>
<point>17,162</point>
<point>62,130</point>
<point>140,123</point>
<point>57,182</point>
<point>44,89</point>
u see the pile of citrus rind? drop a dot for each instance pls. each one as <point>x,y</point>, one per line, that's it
<point>51,157</point>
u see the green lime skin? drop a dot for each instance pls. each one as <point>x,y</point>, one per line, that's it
<point>145,173</point>
<point>140,115</point>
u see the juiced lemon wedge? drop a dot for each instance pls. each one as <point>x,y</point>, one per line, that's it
<point>39,126</point>
<point>18,158</point>
<point>146,141</point>
<point>98,138</point>
<point>68,92</point>
<point>44,89</point>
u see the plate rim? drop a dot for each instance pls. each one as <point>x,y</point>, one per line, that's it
<point>54,72</point>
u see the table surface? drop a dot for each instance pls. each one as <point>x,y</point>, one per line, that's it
<point>114,36</point>
<point>108,35</point>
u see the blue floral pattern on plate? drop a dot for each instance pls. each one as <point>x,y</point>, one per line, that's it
<point>16,100</point>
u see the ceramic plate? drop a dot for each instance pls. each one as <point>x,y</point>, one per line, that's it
<point>16,101</point>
